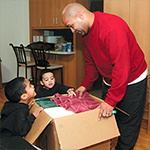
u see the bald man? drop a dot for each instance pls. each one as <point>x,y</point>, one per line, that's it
<point>110,48</point>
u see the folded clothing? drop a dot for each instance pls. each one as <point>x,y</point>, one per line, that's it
<point>75,103</point>
<point>46,103</point>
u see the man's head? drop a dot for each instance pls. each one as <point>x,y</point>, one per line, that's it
<point>47,78</point>
<point>77,18</point>
<point>19,89</point>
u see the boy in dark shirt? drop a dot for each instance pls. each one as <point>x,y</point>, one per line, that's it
<point>49,87</point>
<point>15,118</point>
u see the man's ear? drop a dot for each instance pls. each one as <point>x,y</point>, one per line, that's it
<point>23,96</point>
<point>80,15</point>
<point>41,83</point>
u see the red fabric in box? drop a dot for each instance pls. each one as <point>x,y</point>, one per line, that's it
<point>75,103</point>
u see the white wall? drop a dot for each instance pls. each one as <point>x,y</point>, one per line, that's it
<point>14,27</point>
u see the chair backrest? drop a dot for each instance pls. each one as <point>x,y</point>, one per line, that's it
<point>20,54</point>
<point>38,53</point>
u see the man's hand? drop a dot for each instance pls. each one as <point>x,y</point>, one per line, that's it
<point>81,90</point>
<point>105,110</point>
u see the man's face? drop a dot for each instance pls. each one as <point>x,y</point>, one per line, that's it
<point>76,24</point>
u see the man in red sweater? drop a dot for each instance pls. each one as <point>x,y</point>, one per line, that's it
<point>111,49</point>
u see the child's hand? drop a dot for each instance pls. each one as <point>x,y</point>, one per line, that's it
<point>71,92</point>
<point>31,103</point>
<point>37,111</point>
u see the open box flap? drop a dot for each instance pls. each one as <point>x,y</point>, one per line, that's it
<point>83,129</point>
<point>38,126</point>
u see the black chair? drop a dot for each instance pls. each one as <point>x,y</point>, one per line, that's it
<point>22,60</point>
<point>40,52</point>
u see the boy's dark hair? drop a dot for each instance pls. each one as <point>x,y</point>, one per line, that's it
<point>14,89</point>
<point>45,71</point>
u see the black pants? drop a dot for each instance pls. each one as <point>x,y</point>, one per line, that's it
<point>133,103</point>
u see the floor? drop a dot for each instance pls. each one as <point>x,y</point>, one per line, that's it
<point>97,88</point>
<point>96,92</point>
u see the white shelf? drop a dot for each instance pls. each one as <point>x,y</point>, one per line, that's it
<point>55,52</point>
<point>61,53</point>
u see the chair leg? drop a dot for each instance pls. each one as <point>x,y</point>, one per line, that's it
<point>35,85</point>
<point>17,71</point>
<point>32,75</point>
<point>62,75</point>
<point>26,72</point>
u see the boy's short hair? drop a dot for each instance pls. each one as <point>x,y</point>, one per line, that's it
<point>14,89</point>
<point>45,71</point>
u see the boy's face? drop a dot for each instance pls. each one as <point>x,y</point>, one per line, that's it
<point>29,89</point>
<point>48,80</point>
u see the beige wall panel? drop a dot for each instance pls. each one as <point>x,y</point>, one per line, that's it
<point>137,14</point>
<point>140,25</point>
<point>118,7</point>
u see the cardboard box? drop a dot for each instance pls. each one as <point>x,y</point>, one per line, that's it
<point>77,131</point>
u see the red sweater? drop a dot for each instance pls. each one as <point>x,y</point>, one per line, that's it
<point>110,48</point>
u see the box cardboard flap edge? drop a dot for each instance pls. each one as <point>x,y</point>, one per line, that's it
<point>83,129</point>
<point>38,126</point>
